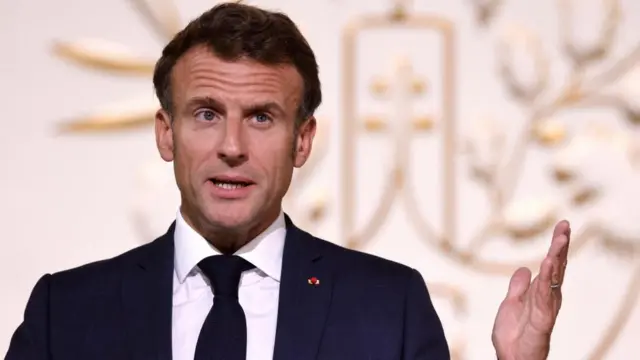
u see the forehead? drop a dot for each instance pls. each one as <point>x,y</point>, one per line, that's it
<point>201,73</point>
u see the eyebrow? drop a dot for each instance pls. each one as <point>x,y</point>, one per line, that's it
<point>206,101</point>
<point>269,106</point>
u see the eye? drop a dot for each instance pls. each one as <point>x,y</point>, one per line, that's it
<point>205,115</point>
<point>262,118</point>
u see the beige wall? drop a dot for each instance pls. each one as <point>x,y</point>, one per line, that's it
<point>74,198</point>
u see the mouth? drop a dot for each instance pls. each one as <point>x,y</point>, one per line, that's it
<point>231,184</point>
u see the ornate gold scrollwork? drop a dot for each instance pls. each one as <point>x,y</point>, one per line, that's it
<point>516,219</point>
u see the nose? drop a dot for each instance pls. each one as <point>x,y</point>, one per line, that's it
<point>232,149</point>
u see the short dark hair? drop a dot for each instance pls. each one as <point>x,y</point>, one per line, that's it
<point>234,31</point>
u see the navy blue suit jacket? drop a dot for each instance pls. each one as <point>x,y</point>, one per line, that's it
<point>364,308</point>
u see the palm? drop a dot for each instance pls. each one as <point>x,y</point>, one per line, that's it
<point>526,317</point>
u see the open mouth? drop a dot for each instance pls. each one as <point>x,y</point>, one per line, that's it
<point>230,184</point>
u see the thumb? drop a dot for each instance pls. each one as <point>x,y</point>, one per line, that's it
<point>519,283</point>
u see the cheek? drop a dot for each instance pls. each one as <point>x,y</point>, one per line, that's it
<point>191,153</point>
<point>275,159</point>
<point>285,167</point>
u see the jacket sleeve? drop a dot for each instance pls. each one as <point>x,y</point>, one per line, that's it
<point>424,336</point>
<point>30,341</point>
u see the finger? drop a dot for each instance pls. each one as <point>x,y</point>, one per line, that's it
<point>558,251</point>
<point>545,298</point>
<point>519,284</point>
<point>544,279</point>
<point>560,239</point>
<point>562,228</point>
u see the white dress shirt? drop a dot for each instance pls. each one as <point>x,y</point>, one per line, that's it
<point>258,293</point>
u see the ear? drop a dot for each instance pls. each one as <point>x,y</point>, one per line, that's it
<point>304,142</point>
<point>164,135</point>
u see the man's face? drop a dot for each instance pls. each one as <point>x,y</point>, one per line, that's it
<point>233,139</point>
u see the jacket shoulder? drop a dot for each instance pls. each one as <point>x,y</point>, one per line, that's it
<point>362,263</point>
<point>101,273</point>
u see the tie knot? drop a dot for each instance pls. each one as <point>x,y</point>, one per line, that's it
<point>224,273</point>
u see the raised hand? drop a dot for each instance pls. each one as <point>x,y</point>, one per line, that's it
<point>527,315</point>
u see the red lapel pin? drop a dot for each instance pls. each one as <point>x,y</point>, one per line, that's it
<point>314,281</point>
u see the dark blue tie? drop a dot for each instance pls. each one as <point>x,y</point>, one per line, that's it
<point>224,332</point>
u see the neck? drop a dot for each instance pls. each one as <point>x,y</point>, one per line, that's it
<point>229,240</point>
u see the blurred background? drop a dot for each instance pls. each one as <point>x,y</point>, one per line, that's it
<point>453,135</point>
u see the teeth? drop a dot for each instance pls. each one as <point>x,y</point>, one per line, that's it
<point>228,186</point>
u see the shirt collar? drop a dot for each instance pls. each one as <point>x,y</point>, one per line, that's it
<point>264,251</point>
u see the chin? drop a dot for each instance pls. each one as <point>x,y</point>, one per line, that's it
<point>230,217</point>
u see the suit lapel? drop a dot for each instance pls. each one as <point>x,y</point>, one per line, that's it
<point>147,299</point>
<point>303,307</point>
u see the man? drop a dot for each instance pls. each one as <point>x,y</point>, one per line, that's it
<point>238,88</point>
